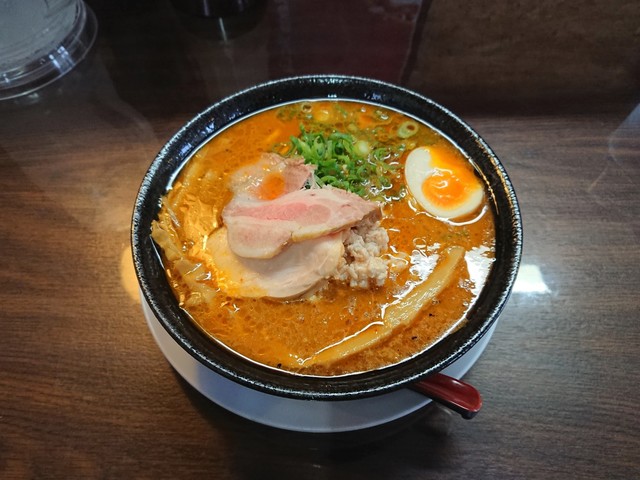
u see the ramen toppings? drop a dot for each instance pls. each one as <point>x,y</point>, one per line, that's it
<point>363,265</point>
<point>270,177</point>
<point>285,246</point>
<point>298,269</point>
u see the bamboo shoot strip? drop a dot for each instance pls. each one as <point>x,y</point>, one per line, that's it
<point>399,314</point>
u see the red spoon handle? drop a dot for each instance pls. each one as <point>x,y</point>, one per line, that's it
<point>450,392</point>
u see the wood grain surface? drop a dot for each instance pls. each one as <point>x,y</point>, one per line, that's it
<point>552,87</point>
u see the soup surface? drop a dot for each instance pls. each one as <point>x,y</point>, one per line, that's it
<point>355,293</point>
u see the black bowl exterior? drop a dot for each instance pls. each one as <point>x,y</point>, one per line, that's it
<point>194,134</point>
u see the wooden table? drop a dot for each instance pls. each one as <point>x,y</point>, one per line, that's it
<point>553,87</point>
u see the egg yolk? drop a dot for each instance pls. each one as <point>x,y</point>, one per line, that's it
<point>450,184</point>
<point>443,188</point>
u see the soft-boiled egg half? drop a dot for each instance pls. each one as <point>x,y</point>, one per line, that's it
<point>442,182</point>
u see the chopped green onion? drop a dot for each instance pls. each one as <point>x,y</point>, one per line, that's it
<point>362,148</point>
<point>345,163</point>
<point>407,129</point>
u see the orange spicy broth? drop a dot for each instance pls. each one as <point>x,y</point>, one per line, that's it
<point>268,331</point>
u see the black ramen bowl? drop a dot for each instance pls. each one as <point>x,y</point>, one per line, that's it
<point>199,130</point>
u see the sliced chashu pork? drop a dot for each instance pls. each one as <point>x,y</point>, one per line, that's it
<point>298,269</point>
<point>262,229</point>
<point>270,177</point>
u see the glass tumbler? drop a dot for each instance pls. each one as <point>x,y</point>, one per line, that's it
<point>41,40</point>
